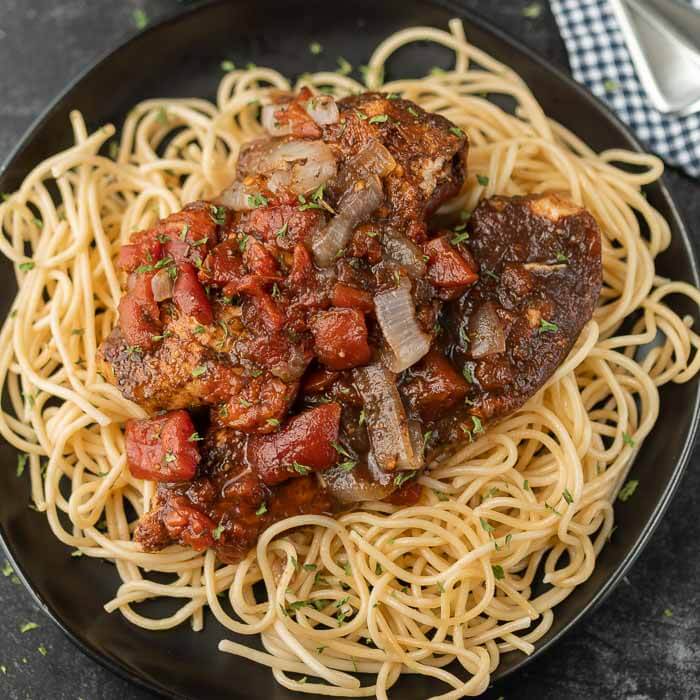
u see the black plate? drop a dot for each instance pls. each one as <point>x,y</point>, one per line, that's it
<point>181,57</point>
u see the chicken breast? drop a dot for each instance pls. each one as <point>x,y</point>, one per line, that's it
<point>539,281</point>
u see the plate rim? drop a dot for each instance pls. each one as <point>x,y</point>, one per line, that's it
<point>669,489</point>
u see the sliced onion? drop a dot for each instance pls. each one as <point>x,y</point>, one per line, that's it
<point>373,159</point>
<point>486,333</point>
<point>253,154</point>
<point>301,166</point>
<point>355,206</point>
<point>387,424</point>
<point>396,315</point>
<point>316,171</point>
<point>323,110</point>
<point>236,197</point>
<point>415,435</point>
<point>405,253</point>
<point>280,180</point>
<point>366,482</point>
<point>162,285</point>
<point>270,123</point>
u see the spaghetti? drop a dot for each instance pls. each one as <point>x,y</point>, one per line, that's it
<point>440,589</point>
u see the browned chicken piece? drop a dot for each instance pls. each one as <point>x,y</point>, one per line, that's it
<point>430,154</point>
<point>190,367</point>
<point>196,365</point>
<point>178,346</point>
<point>231,502</point>
<point>540,278</point>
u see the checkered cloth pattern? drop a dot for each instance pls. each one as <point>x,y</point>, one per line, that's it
<point>600,60</point>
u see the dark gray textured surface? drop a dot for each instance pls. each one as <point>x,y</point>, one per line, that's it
<point>629,648</point>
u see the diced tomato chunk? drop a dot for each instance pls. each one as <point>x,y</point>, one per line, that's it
<point>304,444</point>
<point>263,402</point>
<point>340,338</point>
<point>282,224</point>
<point>187,524</point>
<point>351,297</point>
<point>139,315</point>
<point>180,251</point>
<point>302,268</point>
<point>449,266</point>
<point>406,495</point>
<point>133,255</point>
<point>268,314</point>
<point>129,257</point>
<point>162,448</point>
<point>434,386</point>
<point>141,288</point>
<point>136,325</point>
<point>307,285</point>
<point>240,274</point>
<point>224,264</point>
<point>303,126</point>
<point>259,260</point>
<point>189,295</point>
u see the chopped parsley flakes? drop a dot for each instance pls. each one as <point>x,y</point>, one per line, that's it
<point>216,532</point>
<point>532,11</point>
<point>257,200</point>
<point>628,490</point>
<point>217,214</point>
<point>486,525</point>
<point>344,66</point>
<point>401,478</point>
<point>140,18</point>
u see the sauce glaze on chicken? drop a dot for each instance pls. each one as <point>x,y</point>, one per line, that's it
<point>309,339</point>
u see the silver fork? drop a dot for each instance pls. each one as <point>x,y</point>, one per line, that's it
<point>663,38</point>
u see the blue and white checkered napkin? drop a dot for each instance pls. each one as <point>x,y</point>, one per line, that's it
<point>600,60</point>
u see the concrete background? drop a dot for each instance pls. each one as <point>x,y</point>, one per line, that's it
<point>629,648</point>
